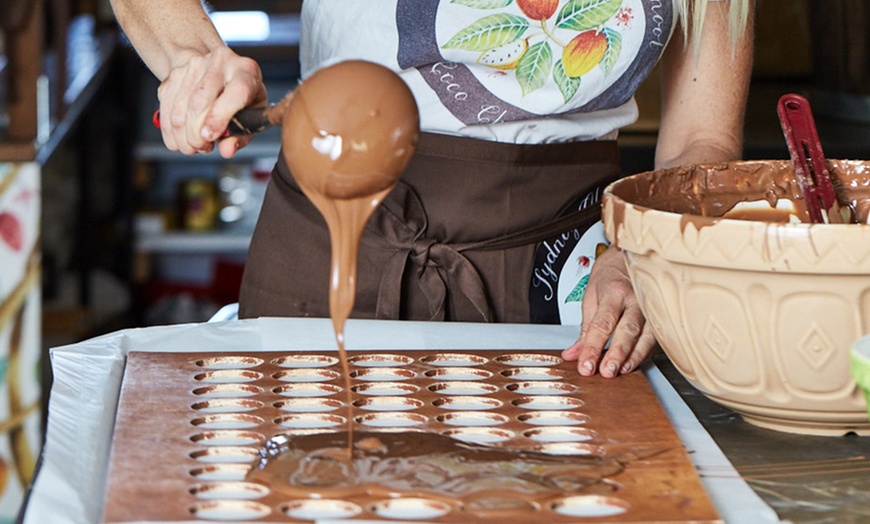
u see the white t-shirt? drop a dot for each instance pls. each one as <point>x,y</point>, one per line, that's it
<point>517,71</point>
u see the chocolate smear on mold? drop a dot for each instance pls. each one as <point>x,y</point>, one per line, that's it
<point>390,464</point>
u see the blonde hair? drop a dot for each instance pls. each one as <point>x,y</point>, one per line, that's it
<point>693,12</point>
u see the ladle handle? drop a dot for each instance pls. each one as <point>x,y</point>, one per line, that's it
<point>245,122</point>
<point>810,167</point>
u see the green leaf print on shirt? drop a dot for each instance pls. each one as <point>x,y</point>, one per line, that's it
<point>581,15</point>
<point>533,69</point>
<point>483,4</point>
<point>614,47</point>
<point>567,86</point>
<point>489,32</point>
<point>576,294</point>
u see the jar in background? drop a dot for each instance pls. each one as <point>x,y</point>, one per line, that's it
<point>198,204</point>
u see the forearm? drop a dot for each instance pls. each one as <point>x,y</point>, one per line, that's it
<point>167,34</point>
<point>704,96</point>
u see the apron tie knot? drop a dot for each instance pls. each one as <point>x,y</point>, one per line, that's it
<point>449,281</point>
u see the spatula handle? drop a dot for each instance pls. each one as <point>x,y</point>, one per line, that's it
<point>245,122</point>
<point>810,166</point>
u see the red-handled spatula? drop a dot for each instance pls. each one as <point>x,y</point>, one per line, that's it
<point>810,167</point>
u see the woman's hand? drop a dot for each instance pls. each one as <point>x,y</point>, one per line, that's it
<point>703,103</point>
<point>201,94</point>
<point>204,83</point>
<point>610,312</point>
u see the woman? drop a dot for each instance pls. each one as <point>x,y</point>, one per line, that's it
<point>520,104</point>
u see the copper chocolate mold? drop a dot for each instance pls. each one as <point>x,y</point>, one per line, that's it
<point>213,412</point>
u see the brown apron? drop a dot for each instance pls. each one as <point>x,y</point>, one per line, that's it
<point>455,240</point>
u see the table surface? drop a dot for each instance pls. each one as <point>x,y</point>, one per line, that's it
<point>805,479</point>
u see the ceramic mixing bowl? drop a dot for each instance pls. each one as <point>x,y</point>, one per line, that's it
<point>758,315</point>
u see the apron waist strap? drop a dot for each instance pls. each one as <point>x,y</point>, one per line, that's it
<point>441,269</point>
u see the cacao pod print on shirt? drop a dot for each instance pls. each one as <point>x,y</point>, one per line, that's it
<point>542,44</point>
<point>498,61</point>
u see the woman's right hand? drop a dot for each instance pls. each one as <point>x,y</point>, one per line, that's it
<point>201,94</point>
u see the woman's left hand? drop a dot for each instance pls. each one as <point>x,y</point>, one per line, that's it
<point>703,103</point>
<point>611,312</point>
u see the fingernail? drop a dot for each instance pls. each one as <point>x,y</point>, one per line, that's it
<point>589,366</point>
<point>610,368</point>
<point>207,134</point>
<point>626,368</point>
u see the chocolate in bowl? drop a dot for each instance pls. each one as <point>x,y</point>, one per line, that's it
<point>758,314</point>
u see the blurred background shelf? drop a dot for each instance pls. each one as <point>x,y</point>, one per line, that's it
<point>194,243</point>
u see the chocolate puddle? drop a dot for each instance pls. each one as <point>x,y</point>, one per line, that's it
<point>348,133</point>
<point>415,464</point>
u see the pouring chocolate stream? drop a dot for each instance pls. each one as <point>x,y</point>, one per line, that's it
<point>348,132</point>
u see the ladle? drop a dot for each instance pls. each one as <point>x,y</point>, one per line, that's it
<point>810,166</point>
